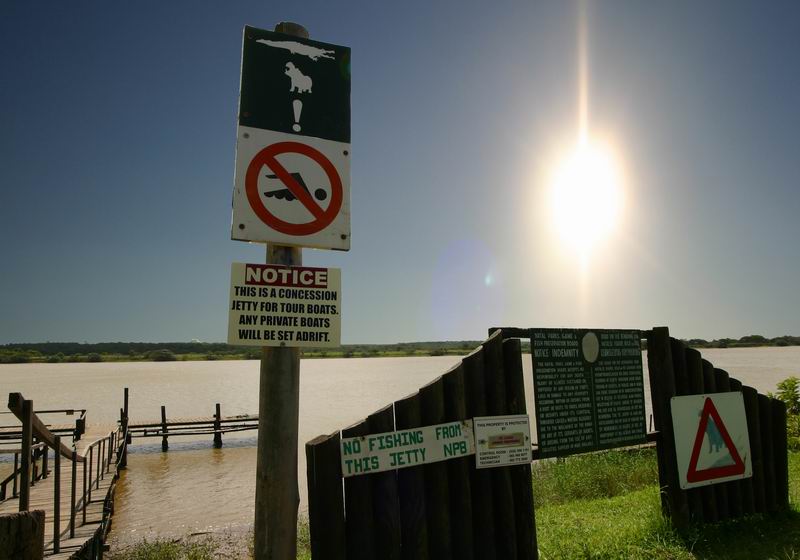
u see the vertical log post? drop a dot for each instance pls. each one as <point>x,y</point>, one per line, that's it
<point>662,389</point>
<point>737,488</point>
<point>458,470</point>
<point>217,427</point>
<point>25,468</point>
<point>359,521</point>
<point>437,491</point>
<point>14,489</point>
<point>694,367</point>
<point>84,494</point>
<point>123,463</point>
<point>768,452</point>
<point>325,499</point>
<point>277,493</point>
<point>496,404</point>
<point>684,386</point>
<point>720,492</point>
<point>483,530</point>
<point>751,408</point>
<point>781,454</point>
<point>164,442</point>
<point>57,496</point>
<point>411,488</point>
<point>73,493</point>
<point>385,501</point>
<point>88,466</point>
<point>524,512</point>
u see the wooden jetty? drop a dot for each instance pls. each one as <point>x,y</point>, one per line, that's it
<point>74,486</point>
<point>76,493</point>
<point>215,425</point>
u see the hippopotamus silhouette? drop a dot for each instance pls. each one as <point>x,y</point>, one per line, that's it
<point>300,82</point>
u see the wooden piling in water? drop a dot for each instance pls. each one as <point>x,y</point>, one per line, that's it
<point>751,407</point>
<point>164,442</point>
<point>217,427</point>
<point>780,454</point>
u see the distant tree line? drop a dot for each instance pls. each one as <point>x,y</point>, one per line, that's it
<point>54,352</point>
<point>750,340</point>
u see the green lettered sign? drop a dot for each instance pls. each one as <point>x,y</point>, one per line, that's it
<point>588,389</point>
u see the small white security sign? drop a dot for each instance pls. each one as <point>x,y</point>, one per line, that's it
<point>501,441</point>
<point>711,440</point>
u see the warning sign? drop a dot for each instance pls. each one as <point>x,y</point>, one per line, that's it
<point>274,305</point>
<point>406,448</point>
<point>502,440</point>
<point>292,177</point>
<point>711,439</point>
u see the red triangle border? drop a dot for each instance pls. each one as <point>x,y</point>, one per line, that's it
<point>693,475</point>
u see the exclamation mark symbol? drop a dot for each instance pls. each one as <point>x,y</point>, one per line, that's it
<point>297,105</point>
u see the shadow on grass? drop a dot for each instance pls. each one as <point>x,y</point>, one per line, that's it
<point>775,536</point>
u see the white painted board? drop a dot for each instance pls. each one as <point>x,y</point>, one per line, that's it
<point>275,305</point>
<point>406,448</point>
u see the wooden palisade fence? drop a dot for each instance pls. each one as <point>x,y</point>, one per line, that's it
<point>447,510</point>
<point>676,370</point>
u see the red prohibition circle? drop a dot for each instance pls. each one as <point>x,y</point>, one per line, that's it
<point>266,157</point>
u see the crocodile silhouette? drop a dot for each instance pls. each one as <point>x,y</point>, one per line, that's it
<point>286,194</point>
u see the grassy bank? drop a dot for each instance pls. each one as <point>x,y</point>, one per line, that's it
<point>597,506</point>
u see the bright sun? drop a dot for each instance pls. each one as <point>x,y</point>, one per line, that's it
<point>586,196</point>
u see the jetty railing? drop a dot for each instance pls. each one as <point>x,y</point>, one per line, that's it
<point>97,459</point>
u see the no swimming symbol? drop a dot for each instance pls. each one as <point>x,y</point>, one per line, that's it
<point>322,218</point>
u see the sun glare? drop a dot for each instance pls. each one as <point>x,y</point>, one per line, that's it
<point>586,196</point>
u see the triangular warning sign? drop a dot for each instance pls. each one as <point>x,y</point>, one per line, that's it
<point>737,468</point>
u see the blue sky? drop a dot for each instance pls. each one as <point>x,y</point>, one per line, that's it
<point>117,136</point>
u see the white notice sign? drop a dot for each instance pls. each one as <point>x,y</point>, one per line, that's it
<point>406,448</point>
<point>711,440</point>
<point>275,305</point>
<point>502,440</point>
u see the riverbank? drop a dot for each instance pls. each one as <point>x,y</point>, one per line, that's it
<point>600,505</point>
<point>73,352</point>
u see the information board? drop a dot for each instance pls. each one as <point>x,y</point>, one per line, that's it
<point>588,389</point>
<point>501,441</point>
<point>275,305</point>
<point>406,448</point>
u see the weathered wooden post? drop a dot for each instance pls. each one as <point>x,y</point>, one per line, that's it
<point>277,493</point>
<point>25,468</point>
<point>217,427</point>
<point>73,492</point>
<point>164,443</point>
<point>123,463</point>
<point>57,496</point>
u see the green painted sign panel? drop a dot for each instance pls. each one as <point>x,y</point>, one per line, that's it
<point>588,389</point>
<point>297,86</point>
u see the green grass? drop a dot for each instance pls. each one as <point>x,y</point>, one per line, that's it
<point>626,522</point>
<point>599,506</point>
<point>162,549</point>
